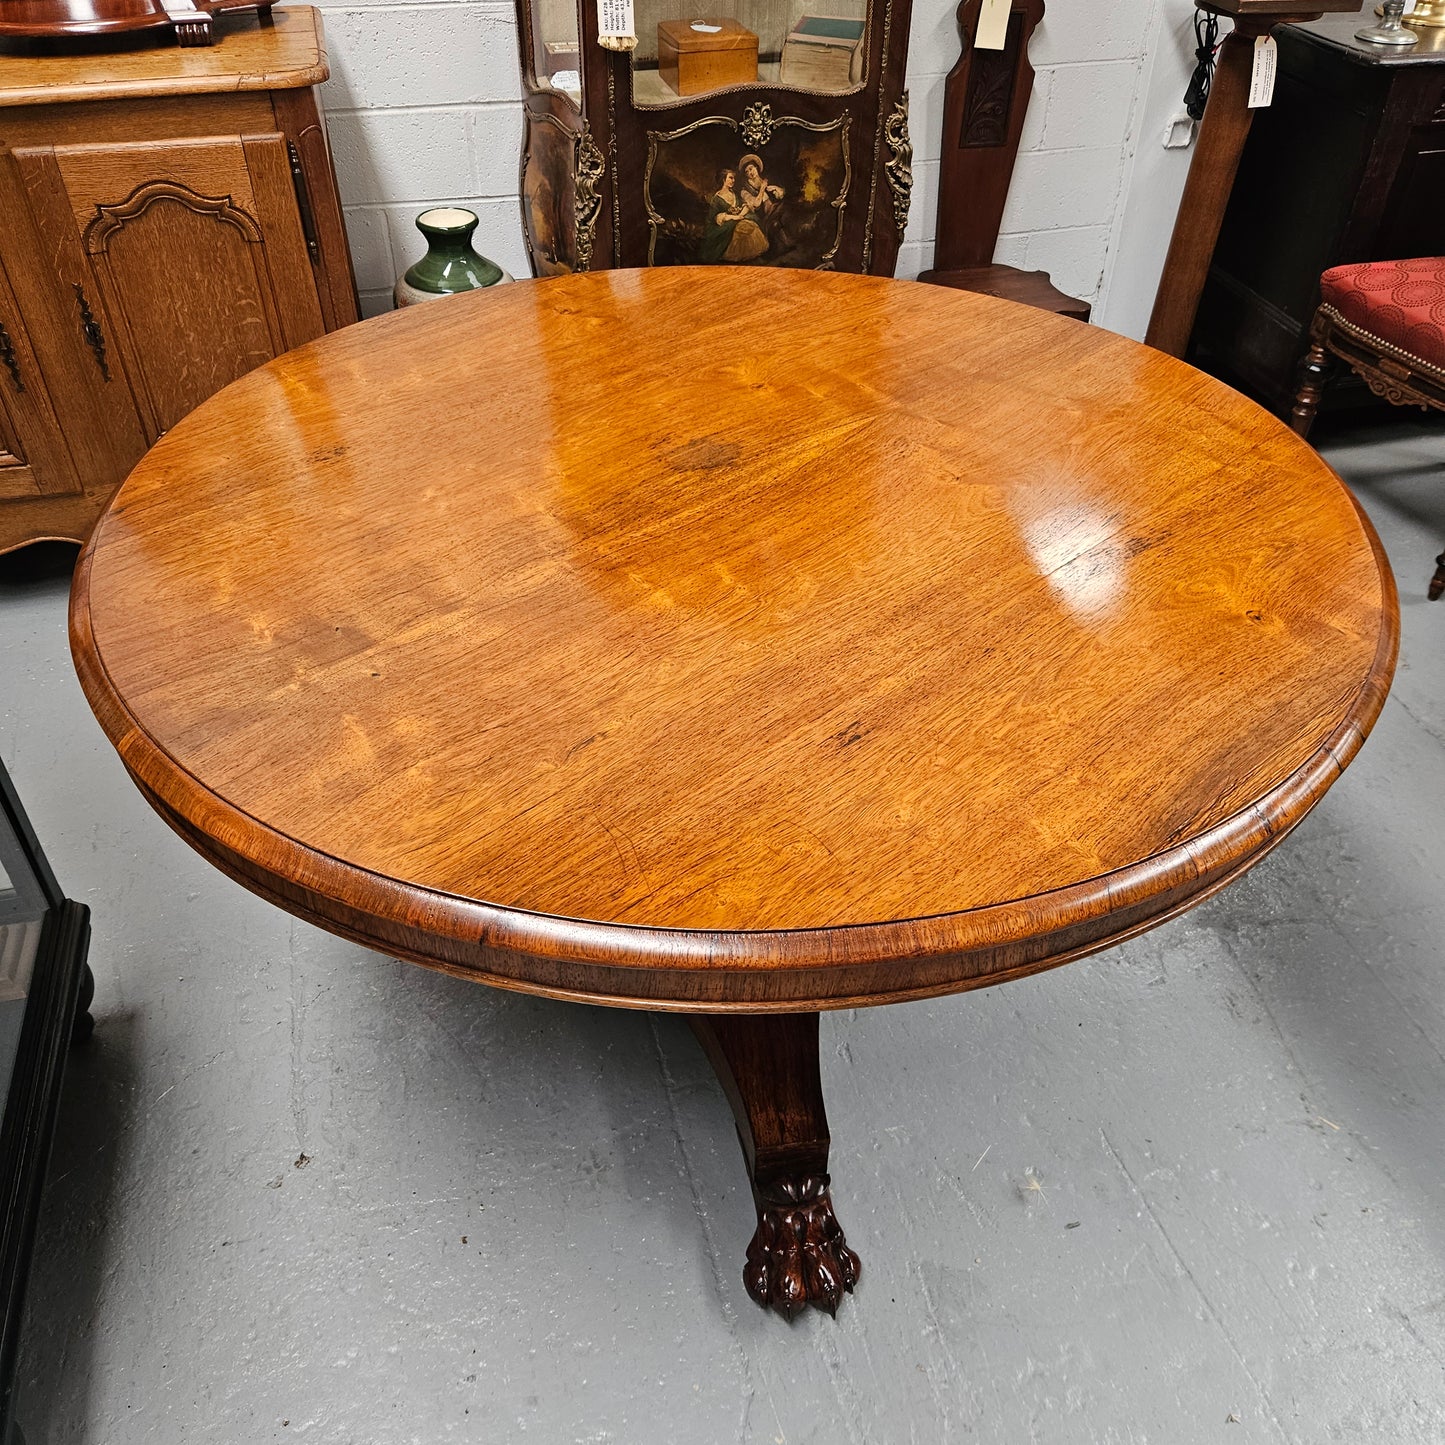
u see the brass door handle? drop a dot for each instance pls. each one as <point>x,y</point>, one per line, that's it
<point>303,202</point>
<point>91,329</point>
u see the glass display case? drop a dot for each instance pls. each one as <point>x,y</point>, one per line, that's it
<point>755,132</point>
<point>45,990</point>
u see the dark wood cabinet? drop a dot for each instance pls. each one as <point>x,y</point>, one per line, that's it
<point>169,220</point>
<point>1347,164</point>
<point>618,169</point>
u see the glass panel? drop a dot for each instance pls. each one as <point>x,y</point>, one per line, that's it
<point>815,45</point>
<point>558,58</point>
<point>22,915</point>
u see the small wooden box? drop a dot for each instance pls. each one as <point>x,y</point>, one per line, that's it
<point>562,56</point>
<point>692,61</point>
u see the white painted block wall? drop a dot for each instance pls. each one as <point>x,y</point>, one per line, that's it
<point>423,108</point>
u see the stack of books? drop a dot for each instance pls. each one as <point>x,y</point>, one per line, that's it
<point>823,52</point>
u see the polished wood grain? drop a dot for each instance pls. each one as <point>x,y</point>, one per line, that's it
<point>284,51</point>
<point>89,19</point>
<point>724,640</point>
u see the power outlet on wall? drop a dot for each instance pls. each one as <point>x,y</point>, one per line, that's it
<point>1178,131</point>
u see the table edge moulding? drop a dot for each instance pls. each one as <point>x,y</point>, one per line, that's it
<point>634,605</point>
<point>777,970</point>
<point>782,971</point>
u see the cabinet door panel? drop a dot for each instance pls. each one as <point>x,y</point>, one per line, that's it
<point>16,479</point>
<point>34,461</point>
<point>1414,220</point>
<point>189,256</point>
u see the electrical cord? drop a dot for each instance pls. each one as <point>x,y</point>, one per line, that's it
<point>1206,41</point>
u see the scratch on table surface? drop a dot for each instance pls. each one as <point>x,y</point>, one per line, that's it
<point>631,864</point>
<point>1183,1265</point>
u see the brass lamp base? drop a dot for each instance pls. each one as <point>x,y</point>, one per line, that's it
<point>1427,12</point>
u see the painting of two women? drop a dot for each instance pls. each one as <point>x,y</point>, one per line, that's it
<point>741,215</point>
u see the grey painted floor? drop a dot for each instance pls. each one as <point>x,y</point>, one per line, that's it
<point>1190,1190</point>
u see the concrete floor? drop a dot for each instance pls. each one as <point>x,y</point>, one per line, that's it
<point>1189,1190</point>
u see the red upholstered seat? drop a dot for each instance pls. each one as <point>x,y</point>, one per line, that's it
<point>1401,303</point>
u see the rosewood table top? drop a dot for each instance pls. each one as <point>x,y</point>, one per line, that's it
<point>733,640</point>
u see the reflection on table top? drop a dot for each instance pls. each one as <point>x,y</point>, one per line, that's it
<point>738,600</point>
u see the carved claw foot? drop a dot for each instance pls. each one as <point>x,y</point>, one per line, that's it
<point>798,1257</point>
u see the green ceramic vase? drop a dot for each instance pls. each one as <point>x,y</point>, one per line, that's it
<point>450,264</point>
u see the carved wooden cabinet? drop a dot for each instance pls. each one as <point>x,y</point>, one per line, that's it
<point>169,220</point>
<point>619,169</point>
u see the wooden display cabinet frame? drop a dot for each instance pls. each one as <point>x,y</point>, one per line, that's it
<point>590,169</point>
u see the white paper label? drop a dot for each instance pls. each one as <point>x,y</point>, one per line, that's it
<point>614,17</point>
<point>1261,78</point>
<point>705,29</point>
<point>993,25</point>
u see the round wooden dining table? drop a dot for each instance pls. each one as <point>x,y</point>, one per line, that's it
<point>735,641</point>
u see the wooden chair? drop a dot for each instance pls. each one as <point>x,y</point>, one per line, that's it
<point>985,101</point>
<point>1386,319</point>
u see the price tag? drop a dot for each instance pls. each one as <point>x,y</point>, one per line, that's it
<point>1261,78</point>
<point>615,21</point>
<point>993,25</point>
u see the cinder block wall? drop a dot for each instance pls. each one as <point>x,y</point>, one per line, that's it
<point>423,109</point>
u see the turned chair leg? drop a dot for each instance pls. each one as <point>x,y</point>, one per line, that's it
<point>1437,582</point>
<point>1314,372</point>
<point>768,1067</point>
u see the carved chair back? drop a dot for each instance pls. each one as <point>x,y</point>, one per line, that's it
<point>985,102</point>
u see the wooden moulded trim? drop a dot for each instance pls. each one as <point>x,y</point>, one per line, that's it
<point>260,65</point>
<point>1370,348</point>
<point>717,972</point>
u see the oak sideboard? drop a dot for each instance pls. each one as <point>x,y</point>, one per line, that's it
<point>169,220</point>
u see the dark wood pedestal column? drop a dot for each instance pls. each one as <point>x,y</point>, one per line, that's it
<point>768,1067</point>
